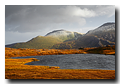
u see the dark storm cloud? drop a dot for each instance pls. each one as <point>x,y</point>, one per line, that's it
<point>29,18</point>
<point>29,21</point>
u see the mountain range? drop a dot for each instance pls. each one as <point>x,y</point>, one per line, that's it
<point>62,39</point>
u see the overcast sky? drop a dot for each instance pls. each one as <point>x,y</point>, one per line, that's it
<point>24,22</point>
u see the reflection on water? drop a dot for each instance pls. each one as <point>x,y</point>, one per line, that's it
<point>76,61</point>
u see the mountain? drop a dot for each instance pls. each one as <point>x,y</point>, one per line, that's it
<point>64,35</point>
<point>106,32</point>
<point>47,41</point>
<point>10,45</point>
<point>38,42</point>
<point>62,39</point>
<point>103,28</point>
<point>84,41</point>
<point>101,36</point>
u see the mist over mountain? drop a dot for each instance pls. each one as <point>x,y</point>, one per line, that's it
<point>64,35</point>
<point>62,39</point>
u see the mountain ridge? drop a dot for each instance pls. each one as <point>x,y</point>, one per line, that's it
<point>64,34</point>
<point>101,36</point>
<point>103,28</point>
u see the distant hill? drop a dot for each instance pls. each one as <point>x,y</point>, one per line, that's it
<point>38,42</point>
<point>10,45</point>
<point>62,39</point>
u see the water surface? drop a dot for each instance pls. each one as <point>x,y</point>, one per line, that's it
<point>75,61</point>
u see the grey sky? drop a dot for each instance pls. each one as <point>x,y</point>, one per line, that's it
<point>24,22</point>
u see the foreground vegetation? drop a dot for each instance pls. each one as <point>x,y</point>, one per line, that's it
<point>15,68</point>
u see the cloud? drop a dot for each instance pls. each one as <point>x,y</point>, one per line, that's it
<point>101,10</point>
<point>75,11</point>
<point>36,18</point>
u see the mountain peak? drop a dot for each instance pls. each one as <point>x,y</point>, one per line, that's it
<point>58,32</point>
<point>107,24</point>
<point>64,35</point>
<point>103,28</point>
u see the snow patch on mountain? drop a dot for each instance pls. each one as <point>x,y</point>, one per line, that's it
<point>57,33</point>
<point>104,28</point>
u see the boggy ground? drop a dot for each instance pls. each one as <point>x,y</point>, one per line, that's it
<point>15,68</point>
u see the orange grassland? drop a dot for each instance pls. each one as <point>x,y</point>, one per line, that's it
<point>15,68</point>
<point>11,52</point>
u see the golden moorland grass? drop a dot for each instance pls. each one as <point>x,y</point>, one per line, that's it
<point>15,68</point>
<point>11,52</point>
<point>109,50</point>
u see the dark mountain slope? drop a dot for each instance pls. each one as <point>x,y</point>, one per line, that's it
<point>106,32</point>
<point>101,36</point>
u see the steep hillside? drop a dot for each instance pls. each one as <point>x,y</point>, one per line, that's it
<point>38,42</point>
<point>62,39</point>
<point>47,41</point>
<point>65,45</point>
<point>103,28</point>
<point>101,36</point>
<point>85,41</point>
<point>106,32</point>
<point>64,35</point>
<point>91,41</point>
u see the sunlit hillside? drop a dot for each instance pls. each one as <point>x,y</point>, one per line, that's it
<point>38,42</point>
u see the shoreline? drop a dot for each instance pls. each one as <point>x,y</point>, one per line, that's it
<point>15,68</point>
